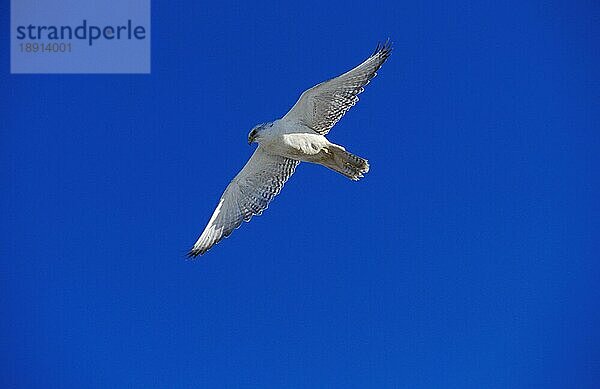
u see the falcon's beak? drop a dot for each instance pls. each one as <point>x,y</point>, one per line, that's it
<point>251,136</point>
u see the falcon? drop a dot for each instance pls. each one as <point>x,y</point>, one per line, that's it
<point>297,137</point>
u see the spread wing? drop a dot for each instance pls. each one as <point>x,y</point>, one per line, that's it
<point>248,194</point>
<point>323,105</point>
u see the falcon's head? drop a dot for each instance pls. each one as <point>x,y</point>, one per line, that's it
<point>254,135</point>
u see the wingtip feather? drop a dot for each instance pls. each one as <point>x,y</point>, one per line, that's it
<point>383,49</point>
<point>193,254</point>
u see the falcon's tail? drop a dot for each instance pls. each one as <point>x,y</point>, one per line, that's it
<point>343,162</point>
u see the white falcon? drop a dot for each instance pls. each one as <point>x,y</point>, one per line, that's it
<point>297,137</point>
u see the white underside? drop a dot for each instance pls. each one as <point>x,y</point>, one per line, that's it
<point>297,142</point>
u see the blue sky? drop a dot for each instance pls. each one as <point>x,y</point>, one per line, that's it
<point>467,257</point>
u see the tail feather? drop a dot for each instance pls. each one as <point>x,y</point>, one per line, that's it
<point>350,165</point>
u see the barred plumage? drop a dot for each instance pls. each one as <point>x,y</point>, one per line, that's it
<point>248,194</point>
<point>323,105</point>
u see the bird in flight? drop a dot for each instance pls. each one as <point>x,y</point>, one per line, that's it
<point>297,137</point>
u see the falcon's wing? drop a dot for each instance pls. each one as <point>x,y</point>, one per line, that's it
<point>248,194</point>
<point>321,106</point>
